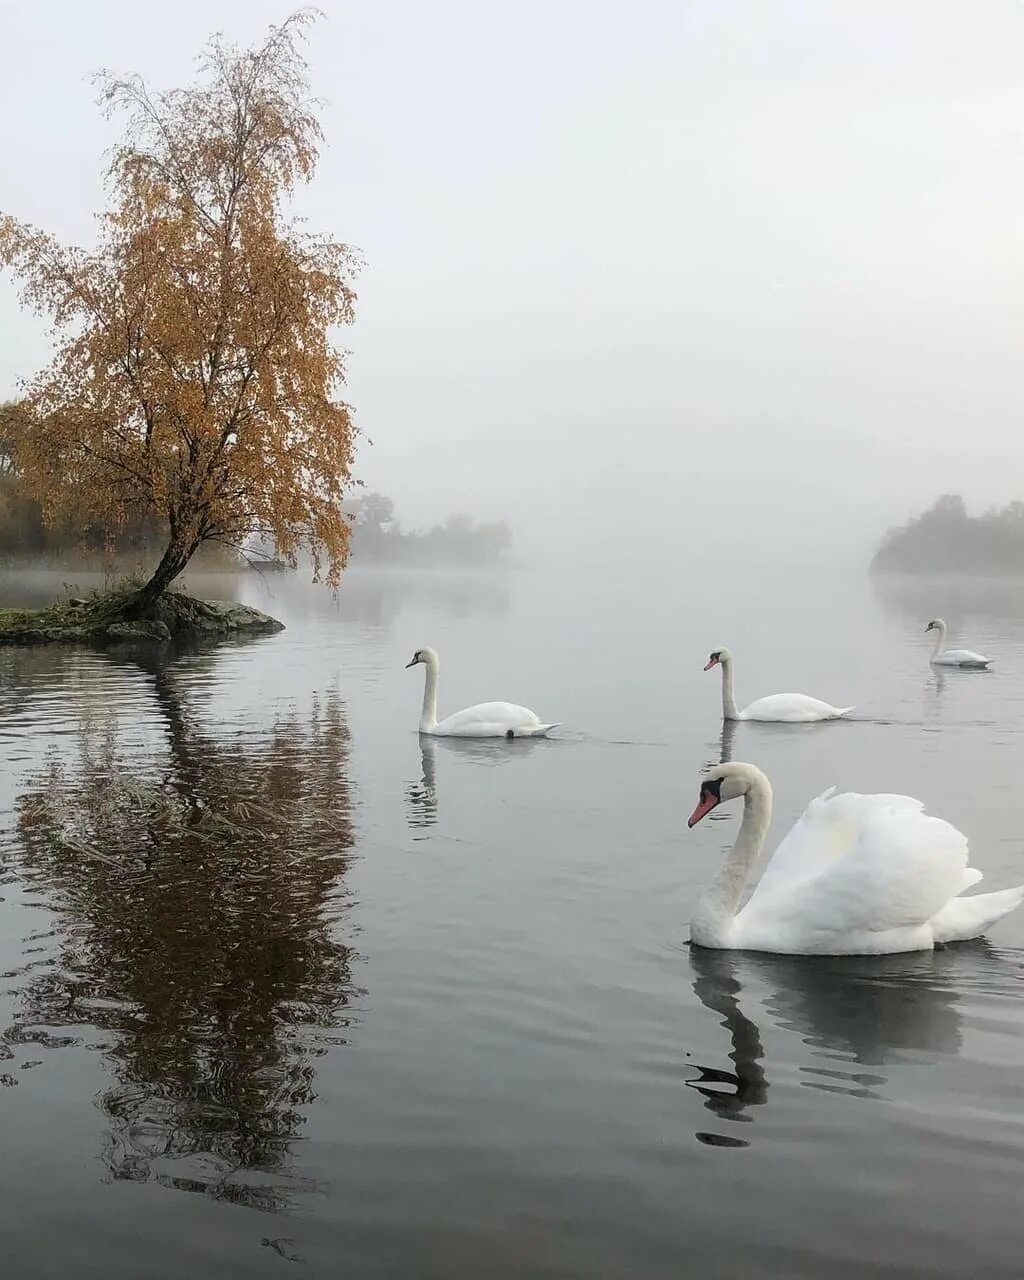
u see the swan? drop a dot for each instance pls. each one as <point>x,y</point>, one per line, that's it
<point>943,657</point>
<point>485,720</point>
<point>857,875</point>
<point>792,708</point>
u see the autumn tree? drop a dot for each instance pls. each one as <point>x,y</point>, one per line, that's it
<point>11,423</point>
<point>195,375</point>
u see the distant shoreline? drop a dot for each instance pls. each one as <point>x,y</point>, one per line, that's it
<point>944,571</point>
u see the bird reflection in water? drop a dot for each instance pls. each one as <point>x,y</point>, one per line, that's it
<point>199,891</point>
<point>421,796</point>
<point>849,1012</point>
<point>728,1093</point>
<point>934,689</point>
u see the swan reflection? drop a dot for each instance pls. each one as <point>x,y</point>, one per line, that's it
<point>847,1012</point>
<point>421,795</point>
<point>728,1094</point>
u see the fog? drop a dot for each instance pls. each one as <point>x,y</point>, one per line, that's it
<point>662,278</point>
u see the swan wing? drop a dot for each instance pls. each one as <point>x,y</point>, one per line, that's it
<point>490,720</point>
<point>792,708</point>
<point>962,658</point>
<point>824,833</point>
<point>900,867</point>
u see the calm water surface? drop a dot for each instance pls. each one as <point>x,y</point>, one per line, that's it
<point>287,991</point>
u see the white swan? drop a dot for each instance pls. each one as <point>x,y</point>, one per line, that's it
<point>485,720</point>
<point>792,708</point>
<point>943,657</point>
<point>857,875</point>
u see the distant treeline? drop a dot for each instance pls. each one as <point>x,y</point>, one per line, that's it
<point>377,536</point>
<point>945,539</point>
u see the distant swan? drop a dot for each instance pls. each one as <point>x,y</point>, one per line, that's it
<point>791,708</point>
<point>857,875</point>
<point>485,720</point>
<point>943,657</point>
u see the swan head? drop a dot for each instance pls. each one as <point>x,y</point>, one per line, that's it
<point>725,782</point>
<point>936,624</point>
<point>425,655</point>
<point>717,656</point>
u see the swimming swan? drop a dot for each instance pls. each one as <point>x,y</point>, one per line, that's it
<point>792,708</point>
<point>857,875</point>
<point>943,657</point>
<point>485,720</point>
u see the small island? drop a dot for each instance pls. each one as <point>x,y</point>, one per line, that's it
<point>946,539</point>
<point>110,617</point>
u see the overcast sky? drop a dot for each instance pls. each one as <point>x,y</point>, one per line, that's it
<point>695,268</point>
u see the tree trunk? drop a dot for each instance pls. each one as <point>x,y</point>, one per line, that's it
<point>179,552</point>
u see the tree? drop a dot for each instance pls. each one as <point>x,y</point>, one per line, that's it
<point>946,539</point>
<point>374,511</point>
<point>13,423</point>
<point>195,377</point>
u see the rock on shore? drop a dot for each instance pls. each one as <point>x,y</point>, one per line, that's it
<point>103,620</point>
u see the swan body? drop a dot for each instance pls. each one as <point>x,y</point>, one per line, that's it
<point>857,875</point>
<point>786,708</point>
<point>485,720</point>
<point>943,657</point>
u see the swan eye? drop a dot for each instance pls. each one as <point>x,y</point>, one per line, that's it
<point>712,788</point>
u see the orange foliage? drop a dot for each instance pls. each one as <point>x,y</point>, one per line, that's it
<point>194,374</point>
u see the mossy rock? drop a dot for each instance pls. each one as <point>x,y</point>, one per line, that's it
<point>109,618</point>
<point>133,631</point>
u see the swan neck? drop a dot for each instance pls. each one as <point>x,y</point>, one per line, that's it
<point>729,709</point>
<point>722,899</point>
<point>428,716</point>
<point>940,640</point>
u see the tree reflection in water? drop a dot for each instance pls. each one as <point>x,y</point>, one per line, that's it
<point>201,890</point>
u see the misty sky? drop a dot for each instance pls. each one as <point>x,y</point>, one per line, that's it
<point>700,270</point>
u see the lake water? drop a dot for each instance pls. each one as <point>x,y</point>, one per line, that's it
<point>287,991</point>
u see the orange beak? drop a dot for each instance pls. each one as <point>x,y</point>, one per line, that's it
<point>711,662</point>
<point>705,804</point>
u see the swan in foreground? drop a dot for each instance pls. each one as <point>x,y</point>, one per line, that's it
<point>793,708</point>
<point>485,720</point>
<point>943,657</point>
<point>857,875</point>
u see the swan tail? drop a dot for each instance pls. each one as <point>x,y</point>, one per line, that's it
<point>542,730</point>
<point>844,711</point>
<point>963,918</point>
